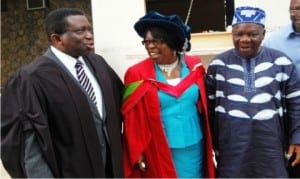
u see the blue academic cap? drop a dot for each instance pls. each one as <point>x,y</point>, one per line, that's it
<point>173,24</point>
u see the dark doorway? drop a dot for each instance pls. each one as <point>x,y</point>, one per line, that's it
<point>206,15</point>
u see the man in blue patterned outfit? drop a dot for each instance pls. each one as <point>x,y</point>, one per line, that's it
<point>254,104</point>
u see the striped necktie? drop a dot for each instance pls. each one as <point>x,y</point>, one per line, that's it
<point>84,81</point>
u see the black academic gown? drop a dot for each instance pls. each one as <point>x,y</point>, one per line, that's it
<point>44,98</point>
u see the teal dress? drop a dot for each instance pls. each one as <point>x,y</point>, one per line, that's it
<point>182,126</point>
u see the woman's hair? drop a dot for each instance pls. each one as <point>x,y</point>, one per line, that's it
<point>170,39</point>
<point>56,22</point>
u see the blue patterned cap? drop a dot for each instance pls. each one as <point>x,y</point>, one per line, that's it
<point>246,14</point>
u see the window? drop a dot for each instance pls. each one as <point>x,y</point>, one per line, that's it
<point>205,15</point>
<point>36,4</point>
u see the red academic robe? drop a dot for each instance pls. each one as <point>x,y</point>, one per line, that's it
<point>143,132</point>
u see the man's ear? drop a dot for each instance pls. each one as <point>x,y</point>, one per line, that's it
<point>56,39</point>
<point>264,32</point>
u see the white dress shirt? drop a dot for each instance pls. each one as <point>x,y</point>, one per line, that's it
<point>69,62</point>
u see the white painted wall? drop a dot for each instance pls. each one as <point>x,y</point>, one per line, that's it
<point>118,43</point>
<point>115,37</point>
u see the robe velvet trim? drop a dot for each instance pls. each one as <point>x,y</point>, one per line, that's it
<point>141,111</point>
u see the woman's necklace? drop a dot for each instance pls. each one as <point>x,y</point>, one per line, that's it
<point>168,68</point>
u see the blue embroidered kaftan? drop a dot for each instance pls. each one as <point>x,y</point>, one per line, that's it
<point>255,110</point>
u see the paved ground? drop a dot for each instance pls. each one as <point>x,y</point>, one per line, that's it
<point>3,173</point>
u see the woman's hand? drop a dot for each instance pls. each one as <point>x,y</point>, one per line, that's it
<point>142,164</point>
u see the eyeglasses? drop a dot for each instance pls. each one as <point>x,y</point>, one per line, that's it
<point>155,42</point>
<point>295,10</point>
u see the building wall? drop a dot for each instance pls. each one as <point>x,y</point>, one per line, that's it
<point>23,38</point>
<point>115,38</point>
<point>118,43</point>
<point>22,32</point>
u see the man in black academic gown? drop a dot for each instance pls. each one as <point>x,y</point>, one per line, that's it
<point>50,127</point>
